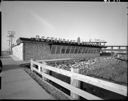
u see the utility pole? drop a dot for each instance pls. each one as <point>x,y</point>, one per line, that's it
<point>10,36</point>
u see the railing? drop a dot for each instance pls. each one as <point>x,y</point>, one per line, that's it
<point>75,91</point>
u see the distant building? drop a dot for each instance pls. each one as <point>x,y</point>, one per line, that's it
<point>41,48</point>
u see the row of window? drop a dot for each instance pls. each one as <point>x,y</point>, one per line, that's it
<point>57,49</point>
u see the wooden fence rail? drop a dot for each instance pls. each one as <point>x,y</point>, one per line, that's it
<point>42,68</point>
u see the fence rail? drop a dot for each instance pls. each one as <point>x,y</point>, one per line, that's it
<point>42,68</point>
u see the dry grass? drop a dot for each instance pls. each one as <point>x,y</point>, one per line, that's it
<point>107,68</point>
<point>112,70</point>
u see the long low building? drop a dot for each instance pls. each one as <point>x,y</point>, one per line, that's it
<point>39,49</point>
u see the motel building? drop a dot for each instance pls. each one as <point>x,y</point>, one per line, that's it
<point>45,48</point>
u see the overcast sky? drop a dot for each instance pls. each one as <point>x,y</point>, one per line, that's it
<point>69,20</point>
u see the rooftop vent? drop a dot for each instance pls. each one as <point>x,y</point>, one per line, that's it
<point>37,37</point>
<point>78,40</point>
<point>42,37</point>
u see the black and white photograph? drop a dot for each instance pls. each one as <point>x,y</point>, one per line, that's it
<point>63,50</point>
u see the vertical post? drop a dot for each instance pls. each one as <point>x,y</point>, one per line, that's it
<point>78,49</point>
<point>39,68</point>
<point>61,47</point>
<point>74,49</point>
<point>75,83</point>
<point>119,47</point>
<point>44,71</point>
<point>66,49</point>
<point>126,50</point>
<point>56,49</point>
<point>51,48</point>
<point>70,47</point>
<point>31,65</point>
<point>111,49</point>
<point>82,50</point>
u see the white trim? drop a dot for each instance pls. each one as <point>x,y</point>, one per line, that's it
<point>120,89</point>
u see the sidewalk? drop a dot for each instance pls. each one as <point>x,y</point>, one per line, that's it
<point>17,84</point>
<point>12,60</point>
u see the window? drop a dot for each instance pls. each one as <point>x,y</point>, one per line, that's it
<point>63,50</point>
<point>67,51</point>
<point>87,50</point>
<point>53,49</point>
<point>72,49</point>
<point>76,49</point>
<point>83,50</point>
<point>79,49</point>
<point>90,50</point>
<point>97,50</point>
<point>58,49</point>
<point>93,49</point>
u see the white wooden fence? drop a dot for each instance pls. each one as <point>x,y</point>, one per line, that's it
<point>42,68</point>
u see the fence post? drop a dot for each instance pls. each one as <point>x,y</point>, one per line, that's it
<point>44,70</point>
<point>31,64</point>
<point>75,83</point>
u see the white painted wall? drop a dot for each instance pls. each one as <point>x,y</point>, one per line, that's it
<point>18,51</point>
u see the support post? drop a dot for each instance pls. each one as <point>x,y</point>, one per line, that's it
<point>44,71</point>
<point>111,48</point>
<point>75,83</point>
<point>119,47</point>
<point>61,49</point>
<point>126,50</point>
<point>82,50</point>
<point>31,65</point>
<point>74,49</point>
<point>78,50</point>
<point>56,49</point>
<point>66,49</point>
<point>70,47</point>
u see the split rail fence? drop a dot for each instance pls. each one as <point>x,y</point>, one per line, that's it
<point>42,69</point>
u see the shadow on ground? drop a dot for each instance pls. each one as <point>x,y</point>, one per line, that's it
<point>12,66</point>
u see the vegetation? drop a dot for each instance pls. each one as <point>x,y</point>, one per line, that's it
<point>108,68</point>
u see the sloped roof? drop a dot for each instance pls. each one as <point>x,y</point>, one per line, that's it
<point>58,42</point>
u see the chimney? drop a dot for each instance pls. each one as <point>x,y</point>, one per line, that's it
<point>78,40</point>
<point>37,37</point>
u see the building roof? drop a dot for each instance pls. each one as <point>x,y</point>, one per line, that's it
<point>59,42</point>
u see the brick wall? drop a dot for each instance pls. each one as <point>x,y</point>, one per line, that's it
<point>35,50</point>
<point>41,51</point>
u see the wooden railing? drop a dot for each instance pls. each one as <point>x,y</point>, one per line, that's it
<point>76,92</point>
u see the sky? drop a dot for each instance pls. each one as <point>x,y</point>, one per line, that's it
<point>68,20</point>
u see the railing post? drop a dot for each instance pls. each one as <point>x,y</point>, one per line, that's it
<point>75,83</point>
<point>31,64</point>
<point>44,70</point>
<point>39,68</point>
